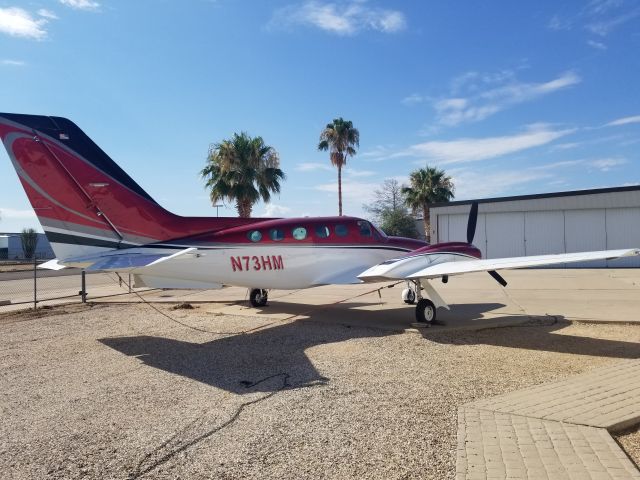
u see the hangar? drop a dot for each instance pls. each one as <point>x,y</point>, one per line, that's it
<point>563,222</point>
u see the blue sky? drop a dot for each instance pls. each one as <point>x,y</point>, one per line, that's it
<point>508,97</point>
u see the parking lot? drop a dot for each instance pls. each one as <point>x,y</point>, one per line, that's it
<point>332,382</point>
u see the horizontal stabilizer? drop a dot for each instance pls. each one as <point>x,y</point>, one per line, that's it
<point>51,265</point>
<point>127,262</point>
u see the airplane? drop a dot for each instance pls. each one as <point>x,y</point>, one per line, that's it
<point>97,218</point>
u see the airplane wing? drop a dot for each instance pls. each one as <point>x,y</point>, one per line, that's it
<point>433,266</point>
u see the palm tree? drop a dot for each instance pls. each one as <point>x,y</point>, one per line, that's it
<point>242,170</point>
<point>341,139</point>
<point>29,240</point>
<point>428,185</point>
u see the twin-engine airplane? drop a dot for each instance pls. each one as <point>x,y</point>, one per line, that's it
<point>98,218</point>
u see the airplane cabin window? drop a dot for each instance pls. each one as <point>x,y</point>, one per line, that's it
<point>255,236</point>
<point>276,234</point>
<point>322,231</point>
<point>365,228</point>
<point>299,233</point>
<point>341,230</point>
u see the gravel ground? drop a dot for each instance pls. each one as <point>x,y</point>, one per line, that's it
<point>629,440</point>
<point>123,391</point>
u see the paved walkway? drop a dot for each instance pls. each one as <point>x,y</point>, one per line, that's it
<point>559,430</point>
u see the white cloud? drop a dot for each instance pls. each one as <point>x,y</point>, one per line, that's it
<point>598,17</point>
<point>624,121</point>
<point>87,5</point>
<point>351,189</point>
<point>597,45</point>
<point>565,146</point>
<point>339,18</point>
<point>17,22</point>
<point>313,167</point>
<point>558,23</point>
<point>351,172</point>
<point>492,184</point>
<point>272,210</point>
<point>414,99</point>
<point>485,103</point>
<point>377,153</point>
<point>556,165</point>
<point>607,164</point>
<point>606,26</point>
<point>12,63</point>
<point>475,149</point>
<point>43,12</point>
<point>12,213</point>
<point>602,164</point>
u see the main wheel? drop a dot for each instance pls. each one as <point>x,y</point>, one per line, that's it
<point>425,311</point>
<point>258,297</point>
<point>408,296</point>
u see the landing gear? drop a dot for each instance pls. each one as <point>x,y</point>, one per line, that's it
<point>258,297</point>
<point>425,311</point>
<point>408,296</point>
<point>425,308</point>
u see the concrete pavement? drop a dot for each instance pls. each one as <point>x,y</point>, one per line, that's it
<point>558,430</point>
<point>476,300</point>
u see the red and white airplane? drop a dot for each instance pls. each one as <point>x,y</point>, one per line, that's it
<point>98,218</point>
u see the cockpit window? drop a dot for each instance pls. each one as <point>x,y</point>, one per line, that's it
<point>378,233</point>
<point>365,228</point>
<point>322,231</point>
<point>341,230</point>
<point>299,233</point>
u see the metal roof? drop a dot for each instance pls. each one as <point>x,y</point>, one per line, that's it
<point>593,191</point>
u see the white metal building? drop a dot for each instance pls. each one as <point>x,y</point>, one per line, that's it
<point>11,247</point>
<point>563,222</point>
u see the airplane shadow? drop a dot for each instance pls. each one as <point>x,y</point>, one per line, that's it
<point>544,337</point>
<point>237,362</point>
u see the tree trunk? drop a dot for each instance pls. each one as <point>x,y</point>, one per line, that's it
<point>427,223</point>
<point>244,208</point>
<point>340,190</point>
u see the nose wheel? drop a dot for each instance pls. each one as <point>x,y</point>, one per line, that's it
<point>258,297</point>
<point>409,296</point>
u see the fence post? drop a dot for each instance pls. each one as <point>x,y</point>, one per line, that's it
<point>35,282</point>
<point>129,283</point>
<point>83,292</point>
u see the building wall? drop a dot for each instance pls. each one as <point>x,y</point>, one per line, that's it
<point>548,225</point>
<point>14,247</point>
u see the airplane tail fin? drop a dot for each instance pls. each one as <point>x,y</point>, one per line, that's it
<point>85,202</point>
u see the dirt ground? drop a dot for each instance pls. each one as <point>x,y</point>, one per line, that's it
<point>128,391</point>
<point>15,267</point>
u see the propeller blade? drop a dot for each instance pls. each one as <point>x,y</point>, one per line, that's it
<point>471,224</point>
<point>498,278</point>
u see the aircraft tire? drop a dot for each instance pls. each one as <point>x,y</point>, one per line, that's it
<point>408,296</point>
<point>258,297</point>
<point>425,311</point>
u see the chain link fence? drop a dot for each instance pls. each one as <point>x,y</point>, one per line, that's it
<point>24,285</point>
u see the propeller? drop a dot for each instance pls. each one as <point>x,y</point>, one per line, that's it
<point>471,232</point>
<point>471,224</point>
